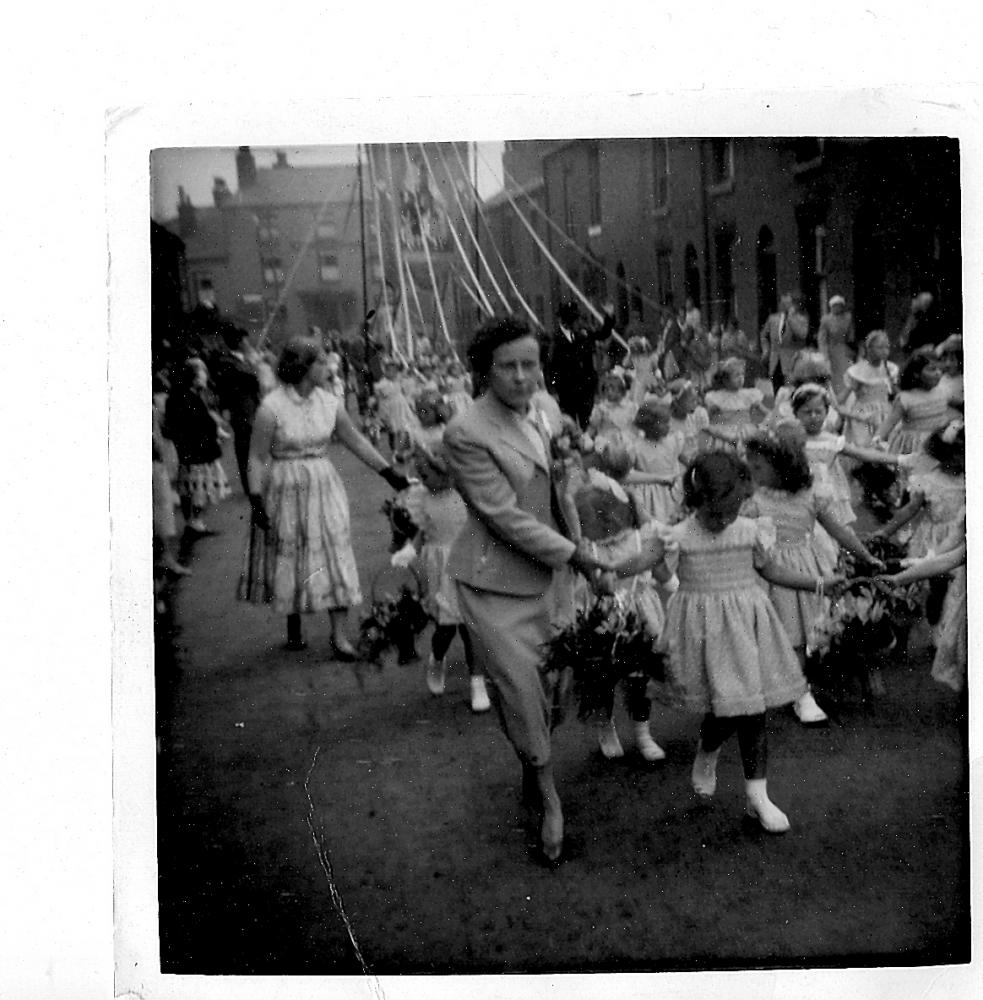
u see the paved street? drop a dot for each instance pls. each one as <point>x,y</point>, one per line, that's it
<point>320,818</point>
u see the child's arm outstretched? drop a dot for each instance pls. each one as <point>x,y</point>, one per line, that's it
<point>870,455</point>
<point>782,576</point>
<point>902,517</point>
<point>847,537</point>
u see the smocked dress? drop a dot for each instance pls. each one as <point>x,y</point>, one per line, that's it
<point>823,453</point>
<point>922,411</point>
<point>731,409</point>
<point>871,388</point>
<point>305,561</point>
<point>728,650</point>
<point>945,505</point>
<point>662,458</point>
<point>613,423</point>
<point>796,549</point>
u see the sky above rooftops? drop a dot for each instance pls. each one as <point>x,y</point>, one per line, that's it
<point>195,169</point>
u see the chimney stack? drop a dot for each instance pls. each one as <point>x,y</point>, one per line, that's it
<point>220,192</point>
<point>245,168</point>
<point>281,160</point>
<point>186,219</point>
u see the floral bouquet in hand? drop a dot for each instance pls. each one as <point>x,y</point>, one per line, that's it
<point>603,645</point>
<point>396,617</point>
<point>866,626</point>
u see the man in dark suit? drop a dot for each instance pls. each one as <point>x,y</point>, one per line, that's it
<point>237,388</point>
<point>571,375</point>
<point>504,559</point>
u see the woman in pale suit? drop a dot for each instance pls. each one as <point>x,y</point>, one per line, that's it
<point>505,557</point>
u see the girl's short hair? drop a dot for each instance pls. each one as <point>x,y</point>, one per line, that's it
<point>806,393</point>
<point>615,461</point>
<point>725,368</point>
<point>715,477</point>
<point>651,413</point>
<point>874,337</point>
<point>492,335</point>
<point>296,359</point>
<point>810,366</point>
<point>784,451</point>
<point>947,444</point>
<point>911,375</point>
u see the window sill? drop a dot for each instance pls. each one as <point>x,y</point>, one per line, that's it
<point>809,165</point>
<point>724,187</point>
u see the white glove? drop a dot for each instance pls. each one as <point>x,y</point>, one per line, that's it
<point>403,557</point>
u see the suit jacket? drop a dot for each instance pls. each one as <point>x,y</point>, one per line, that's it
<point>514,536</point>
<point>570,372</point>
<point>782,337</point>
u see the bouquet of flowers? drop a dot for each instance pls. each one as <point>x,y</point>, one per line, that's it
<point>395,618</point>
<point>881,489</point>
<point>867,625</point>
<point>606,643</point>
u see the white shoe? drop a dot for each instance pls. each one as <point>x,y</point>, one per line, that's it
<point>808,712</point>
<point>436,676</point>
<point>647,747</point>
<point>704,774</point>
<point>479,695</point>
<point>761,808</point>
<point>607,740</point>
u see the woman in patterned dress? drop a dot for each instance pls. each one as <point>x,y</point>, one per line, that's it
<point>300,557</point>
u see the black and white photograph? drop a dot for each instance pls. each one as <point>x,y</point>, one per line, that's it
<point>550,578</point>
<point>559,556</point>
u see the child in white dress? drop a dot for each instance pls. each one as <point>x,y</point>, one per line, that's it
<point>689,417</point>
<point>729,655</point>
<point>730,404</point>
<point>869,387</point>
<point>612,419</point>
<point>656,454</point>
<point>611,519</point>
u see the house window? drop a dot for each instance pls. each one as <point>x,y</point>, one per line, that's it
<point>327,230</point>
<point>328,269</point>
<point>266,232</point>
<point>273,271</point>
<point>537,254</point>
<point>660,172</point>
<point>721,162</point>
<point>594,183</point>
<point>725,305</point>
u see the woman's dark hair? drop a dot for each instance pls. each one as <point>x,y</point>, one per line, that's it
<point>489,337</point>
<point>296,359</point>
<point>945,452</point>
<point>716,477</point>
<point>911,376</point>
<point>786,455</point>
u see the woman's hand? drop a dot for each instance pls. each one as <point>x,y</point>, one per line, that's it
<point>395,479</point>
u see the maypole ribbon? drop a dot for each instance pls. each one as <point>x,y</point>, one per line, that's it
<point>476,198</point>
<point>429,259</point>
<point>404,301</point>
<point>576,247</point>
<point>467,225</point>
<point>390,329</point>
<point>485,304</point>
<point>416,297</point>
<point>587,304</point>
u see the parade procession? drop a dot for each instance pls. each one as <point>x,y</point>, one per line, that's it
<point>562,572</point>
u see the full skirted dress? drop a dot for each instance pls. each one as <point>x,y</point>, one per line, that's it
<point>731,409</point>
<point>796,549</point>
<point>613,423</point>
<point>691,427</point>
<point>190,425</point>
<point>395,410</point>
<point>829,479</point>
<point>871,388</point>
<point>922,411</point>
<point>662,458</point>
<point>952,638</point>
<point>440,516</point>
<point>945,505</point>
<point>305,561</point>
<point>728,650</point>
